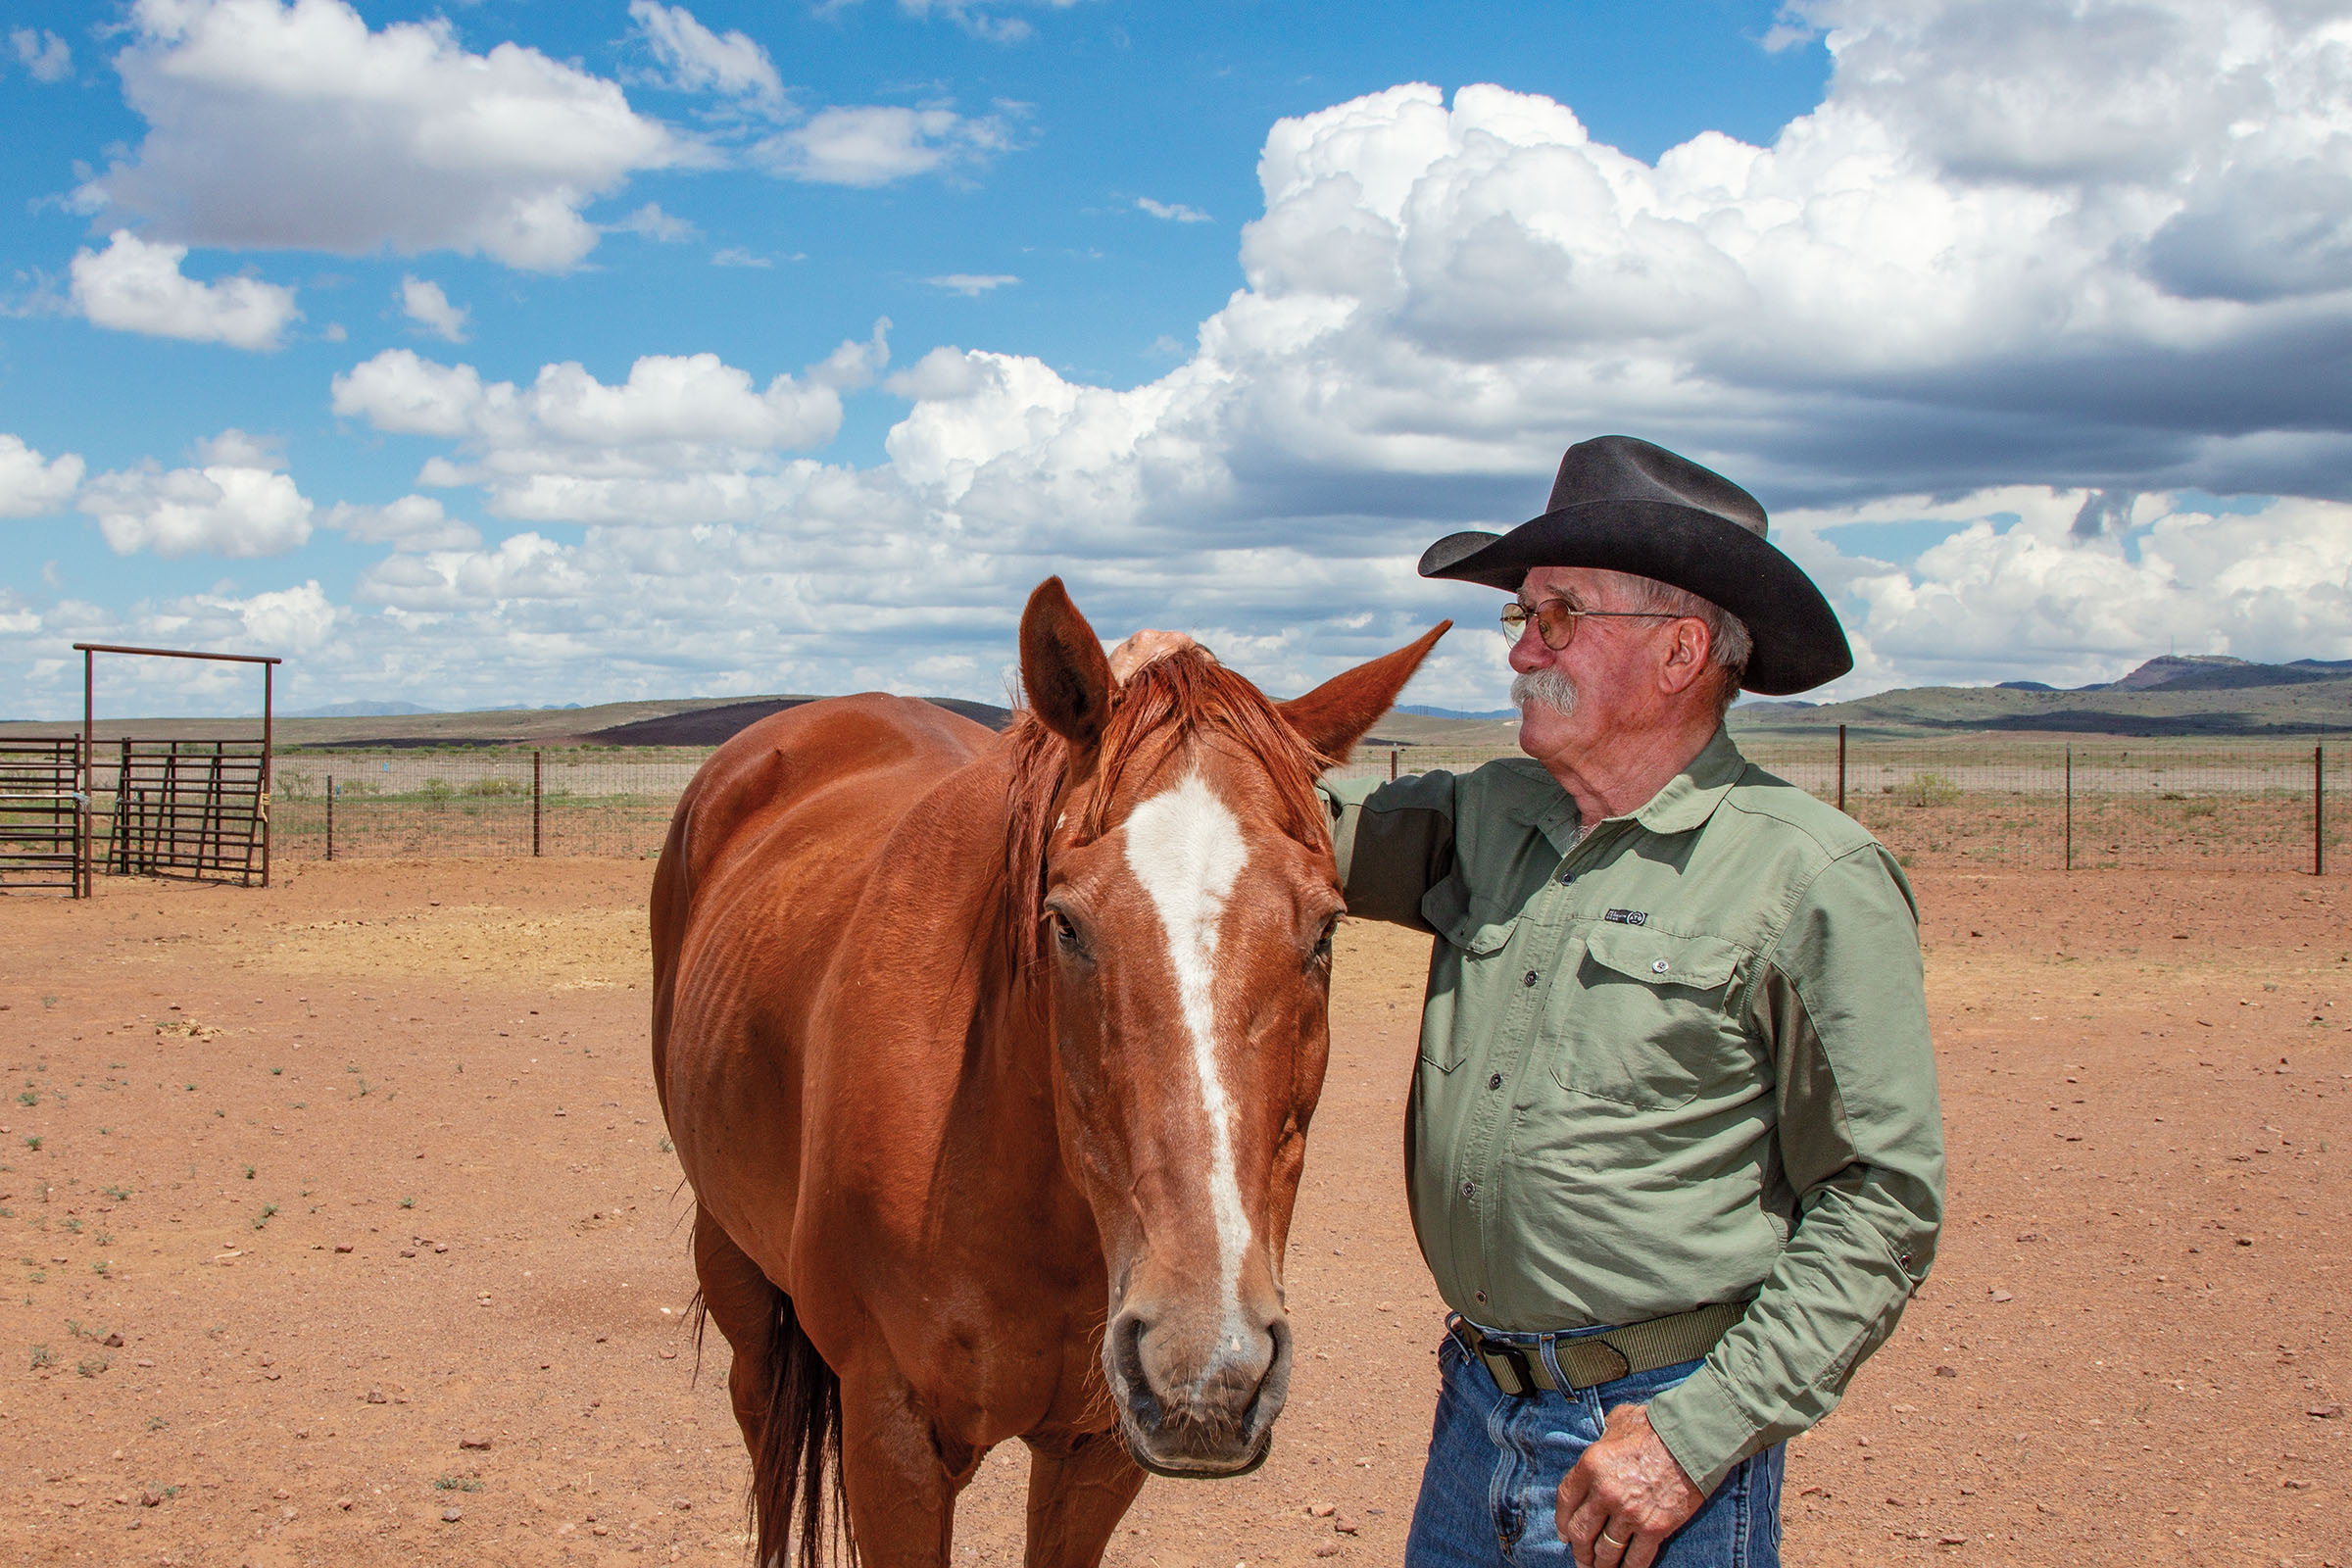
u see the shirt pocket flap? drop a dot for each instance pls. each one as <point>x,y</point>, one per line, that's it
<point>1469,923</point>
<point>1660,958</point>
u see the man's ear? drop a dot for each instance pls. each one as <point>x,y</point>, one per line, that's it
<point>1687,649</point>
<point>1063,672</point>
<point>1334,716</point>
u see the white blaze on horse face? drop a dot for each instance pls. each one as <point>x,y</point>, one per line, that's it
<point>1185,847</point>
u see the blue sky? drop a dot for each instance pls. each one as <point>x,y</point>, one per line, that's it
<point>2032,346</point>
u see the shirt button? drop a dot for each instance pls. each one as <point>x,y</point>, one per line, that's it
<point>1658,966</point>
<point>1469,1189</point>
<point>1495,1081</point>
<point>1480,1296</point>
<point>1527,979</point>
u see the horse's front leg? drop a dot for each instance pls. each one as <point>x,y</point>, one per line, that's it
<point>1079,1490</point>
<point>902,1473</point>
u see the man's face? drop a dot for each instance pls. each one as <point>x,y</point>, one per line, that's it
<point>1613,666</point>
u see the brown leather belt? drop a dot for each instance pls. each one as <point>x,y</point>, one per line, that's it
<point>1592,1359</point>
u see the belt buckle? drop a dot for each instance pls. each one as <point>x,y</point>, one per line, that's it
<point>1522,1374</point>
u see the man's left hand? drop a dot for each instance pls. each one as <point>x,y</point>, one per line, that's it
<point>1624,1497</point>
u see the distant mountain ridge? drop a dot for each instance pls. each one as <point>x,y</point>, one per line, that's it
<point>2180,695</point>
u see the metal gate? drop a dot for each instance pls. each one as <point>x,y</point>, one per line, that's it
<point>193,808</point>
<point>41,813</point>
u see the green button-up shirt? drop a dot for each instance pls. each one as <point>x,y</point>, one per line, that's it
<point>1680,1059</point>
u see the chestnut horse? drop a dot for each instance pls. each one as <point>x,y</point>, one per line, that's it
<point>990,1060</point>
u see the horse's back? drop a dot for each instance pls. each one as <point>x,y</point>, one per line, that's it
<point>771,844</point>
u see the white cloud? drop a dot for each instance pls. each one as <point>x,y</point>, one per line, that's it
<point>412,523</point>
<point>295,126</point>
<point>972,284</point>
<point>2021,589</point>
<point>423,303</point>
<point>1172,212</point>
<point>855,364</point>
<point>134,287</point>
<point>979,18</point>
<point>237,504</point>
<point>31,485</point>
<point>1903,312</point>
<point>694,59</point>
<point>44,55</point>
<point>649,221</point>
<point>737,256</point>
<point>878,144</point>
<point>682,436</point>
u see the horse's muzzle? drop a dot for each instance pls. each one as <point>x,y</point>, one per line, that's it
<point>1192,1415</point>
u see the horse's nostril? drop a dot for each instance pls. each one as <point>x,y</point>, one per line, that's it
<point>1127,1352</point>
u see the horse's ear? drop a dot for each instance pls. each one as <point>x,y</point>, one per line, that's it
<point>1334,716</point>
<point>1062,668</point>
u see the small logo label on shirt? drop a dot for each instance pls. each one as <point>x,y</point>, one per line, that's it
<point>1628,917</point>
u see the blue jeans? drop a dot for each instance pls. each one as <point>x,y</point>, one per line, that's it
<point>1490,1491</point>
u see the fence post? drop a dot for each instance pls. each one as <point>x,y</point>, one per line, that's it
<point>2069,808</point>
<point>1841,767</point>
<point>534,805</point>
<point>331,816</point>
<point>2319,821</point>
<point>1391,765</point>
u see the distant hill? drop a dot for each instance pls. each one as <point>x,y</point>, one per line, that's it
<point>354,711</point>
<point>2202,695</point>
<point>2177,695</point>
<point>1419,711</point>
<point>712,726</point>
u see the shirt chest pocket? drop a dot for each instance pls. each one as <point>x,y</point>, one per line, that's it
<point>1644,1021</point>
<point>1468,983</point>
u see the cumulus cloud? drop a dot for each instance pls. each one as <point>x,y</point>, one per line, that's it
<point>236,504</point>
<point>44,56</point>
<point>879,144</point>
<point>649,221</point>
<point>1985,292</point>
<point>296,126</point>
<point>423,303</point>
<point>134,287</point>
<point>412,523</point>
<point>31,485</point>
<point>694,59</point>
<point>1172,212</point>
<point>679,440</point>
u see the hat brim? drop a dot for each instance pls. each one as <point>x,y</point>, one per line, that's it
<point>1798,643</point>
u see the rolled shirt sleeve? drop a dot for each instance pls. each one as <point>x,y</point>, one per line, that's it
<point>1394,840</point>
<point>1841,1002</point>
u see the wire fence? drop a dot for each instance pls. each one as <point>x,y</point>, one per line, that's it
<point>409,804</point>
<point>1989,802</point>
<point>1964,802</point>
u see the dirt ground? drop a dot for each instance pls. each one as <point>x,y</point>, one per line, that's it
<point>341,1229</point>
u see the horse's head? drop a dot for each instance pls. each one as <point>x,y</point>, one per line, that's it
<point>1190,897</point>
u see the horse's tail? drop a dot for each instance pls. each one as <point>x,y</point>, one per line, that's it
<point>799,1442</point>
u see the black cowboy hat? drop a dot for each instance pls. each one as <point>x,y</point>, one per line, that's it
<point>1627,505</point>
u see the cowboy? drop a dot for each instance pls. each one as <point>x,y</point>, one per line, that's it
<point>1674,1152</point>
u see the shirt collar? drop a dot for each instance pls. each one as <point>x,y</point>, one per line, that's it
<point>1687,800</point>
<point>1690,796</point>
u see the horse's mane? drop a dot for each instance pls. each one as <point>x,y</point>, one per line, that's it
<point>1160,711</point>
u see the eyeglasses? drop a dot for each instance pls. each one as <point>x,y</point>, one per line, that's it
<point>1555,619</point>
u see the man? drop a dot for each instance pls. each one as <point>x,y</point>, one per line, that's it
<point>1674,1151</point>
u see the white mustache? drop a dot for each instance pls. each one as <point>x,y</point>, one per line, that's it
<point>1543,688</point>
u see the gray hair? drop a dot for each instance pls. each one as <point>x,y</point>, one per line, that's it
<point>1729,644</point>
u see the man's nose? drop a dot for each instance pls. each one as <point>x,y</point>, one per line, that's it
<point>1529,652</point>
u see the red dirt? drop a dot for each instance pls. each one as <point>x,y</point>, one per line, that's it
<point>2133,1348</point>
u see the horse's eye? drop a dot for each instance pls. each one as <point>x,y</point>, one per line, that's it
<point>1065,934</point>
<point>1323,941</point>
